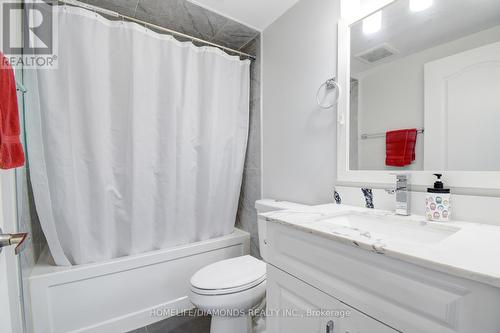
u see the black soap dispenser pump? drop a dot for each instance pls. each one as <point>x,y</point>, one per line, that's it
<point>438,201</point>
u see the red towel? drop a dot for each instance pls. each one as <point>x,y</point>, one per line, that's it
<point>11,150</point>
<point>400,147</point>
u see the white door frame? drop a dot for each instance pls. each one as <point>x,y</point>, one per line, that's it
<point>11,313</point>
<point>10,274</point>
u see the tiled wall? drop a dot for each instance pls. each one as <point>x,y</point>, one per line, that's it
<point>251,187</point>
<point>186,17</point>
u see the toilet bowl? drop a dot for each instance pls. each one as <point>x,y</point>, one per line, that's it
<point>228,290</point>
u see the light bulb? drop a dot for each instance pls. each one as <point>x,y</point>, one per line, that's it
<point>420,5</point>
<point>372,23</point>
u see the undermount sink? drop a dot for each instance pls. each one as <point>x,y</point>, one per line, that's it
<point>380,227</point>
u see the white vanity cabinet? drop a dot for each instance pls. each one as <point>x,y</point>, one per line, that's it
<point>303,308</point>
<point>311,271</point>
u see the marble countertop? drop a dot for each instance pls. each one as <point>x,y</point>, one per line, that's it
<point>472,251</point>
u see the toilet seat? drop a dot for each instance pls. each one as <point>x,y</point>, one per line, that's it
<point>229,276</point>
<point>227,291</point>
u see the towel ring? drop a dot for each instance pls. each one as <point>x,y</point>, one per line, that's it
<point>329,84</point>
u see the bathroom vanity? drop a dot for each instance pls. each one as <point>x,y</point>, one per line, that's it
<point>371,271</point>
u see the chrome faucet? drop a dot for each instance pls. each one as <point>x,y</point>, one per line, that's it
<point>402,195</point>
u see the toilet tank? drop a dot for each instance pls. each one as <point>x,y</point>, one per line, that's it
<point>270,205</point>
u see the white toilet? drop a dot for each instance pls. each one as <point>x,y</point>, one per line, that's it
<point>228,289</point>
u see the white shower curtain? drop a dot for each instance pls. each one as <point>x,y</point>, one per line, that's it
<point>136,142</point>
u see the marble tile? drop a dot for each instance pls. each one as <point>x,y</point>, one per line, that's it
<point>181,324</point>
<point>139,330</point>
<point>253,48</point>
<point>185,17</point>
<point>247,214</point>
<point>125,7</point>
<point>37,235</point>
<point>253,155</point>
<point>368,194</point>
<point>182,16</point>
<point>251,187</point>
<point>235,35</point>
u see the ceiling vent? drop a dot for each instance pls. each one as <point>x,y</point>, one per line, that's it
<point>377,54</point>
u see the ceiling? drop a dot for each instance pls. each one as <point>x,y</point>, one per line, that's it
<point>410,32</point>
<point>257,14</point>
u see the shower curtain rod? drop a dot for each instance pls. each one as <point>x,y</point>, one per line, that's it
<point>148,24</point>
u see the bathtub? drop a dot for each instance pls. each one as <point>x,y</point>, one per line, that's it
<point>126,293</point>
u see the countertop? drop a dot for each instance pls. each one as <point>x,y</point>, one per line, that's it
<point>471,252</point>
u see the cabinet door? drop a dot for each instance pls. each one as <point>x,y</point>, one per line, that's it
<point>290,302</point>
<point>360,323</point>
<point>296,307</point>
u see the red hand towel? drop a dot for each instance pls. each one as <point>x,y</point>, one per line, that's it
<point>400,147</point>
<point>11,150</point>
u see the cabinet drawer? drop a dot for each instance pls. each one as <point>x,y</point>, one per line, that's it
<point>299,307</point>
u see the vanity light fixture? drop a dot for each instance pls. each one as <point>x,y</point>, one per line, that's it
<point>420,5</point>
<point>372,23</point>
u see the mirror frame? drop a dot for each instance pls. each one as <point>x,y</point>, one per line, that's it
<point>466,182</point>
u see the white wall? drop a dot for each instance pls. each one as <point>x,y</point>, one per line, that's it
<point>299,138</point>
<point>391,96</point>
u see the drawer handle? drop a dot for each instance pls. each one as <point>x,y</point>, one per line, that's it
<point>330,326</point>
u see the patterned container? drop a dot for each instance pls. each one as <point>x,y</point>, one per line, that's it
<point>438,207</point>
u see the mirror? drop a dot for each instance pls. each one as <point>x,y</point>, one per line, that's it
<point>425,87</point>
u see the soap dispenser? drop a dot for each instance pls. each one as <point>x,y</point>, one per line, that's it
<point>437,202</point>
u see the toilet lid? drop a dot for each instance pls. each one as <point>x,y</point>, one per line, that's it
<point>236,273</point>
